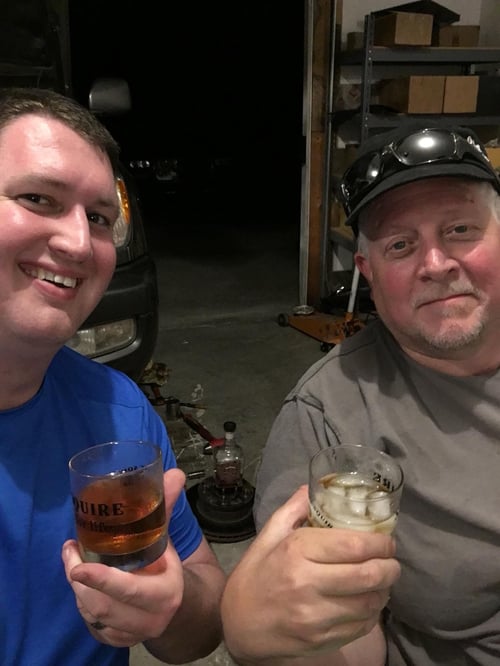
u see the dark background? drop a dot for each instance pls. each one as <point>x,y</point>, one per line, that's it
<point>208,80</point>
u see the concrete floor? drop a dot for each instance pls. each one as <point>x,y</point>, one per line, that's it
<point>223,282</point>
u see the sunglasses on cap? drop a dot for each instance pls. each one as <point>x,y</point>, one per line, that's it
<point>426,146</point>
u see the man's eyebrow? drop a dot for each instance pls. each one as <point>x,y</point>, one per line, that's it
<point>31,179</point>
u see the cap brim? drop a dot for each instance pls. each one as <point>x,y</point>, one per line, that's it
<point>459,170</point>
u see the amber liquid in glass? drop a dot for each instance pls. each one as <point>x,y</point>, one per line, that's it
<point>118,520</point>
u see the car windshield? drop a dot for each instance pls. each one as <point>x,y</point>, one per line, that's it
<point>29,48</point>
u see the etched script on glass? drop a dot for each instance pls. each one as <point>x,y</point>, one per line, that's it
<point>119,515</point>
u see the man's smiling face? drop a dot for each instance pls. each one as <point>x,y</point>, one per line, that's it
<point>58,204</point>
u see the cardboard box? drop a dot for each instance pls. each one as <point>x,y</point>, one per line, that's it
<point>413,94</point>
<point>460,94</point>
<point>442,15</point>
<point>494,155</point>
<point>458,35</point>
<point>403,29</point>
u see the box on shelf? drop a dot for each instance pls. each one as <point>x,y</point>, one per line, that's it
<point>460,94</point>
<point>413,94</point>
<point>494,155</point>
<point>466,36</point>
<point>442,15</point>
<point>403,29</point>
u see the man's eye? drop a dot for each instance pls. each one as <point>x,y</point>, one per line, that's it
<point>465,231</point>
<point>99,220</point>
<point>33,198</point>
<point>398,248</point>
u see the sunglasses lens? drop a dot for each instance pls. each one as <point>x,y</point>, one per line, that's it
<point>420,148</point>
<point>361,175</point>
<point>425,147</point>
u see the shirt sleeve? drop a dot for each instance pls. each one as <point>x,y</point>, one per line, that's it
<point>297,433</point>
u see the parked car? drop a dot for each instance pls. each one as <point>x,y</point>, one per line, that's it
<point>186,180</point>
<point>35,51</point>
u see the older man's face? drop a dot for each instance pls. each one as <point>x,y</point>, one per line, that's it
<point>434,265</point>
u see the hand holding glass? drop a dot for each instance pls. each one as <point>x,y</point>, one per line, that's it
<point>117,490</point>
<point>354,487</point>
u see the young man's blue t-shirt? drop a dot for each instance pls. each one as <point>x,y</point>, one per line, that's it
<point>80,403</point>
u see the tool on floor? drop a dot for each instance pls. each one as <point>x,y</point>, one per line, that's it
<point>203,432</point>
<point>187,444</point>
<point>154,376</point>
<point>223,500</point>
<point>329,329</point>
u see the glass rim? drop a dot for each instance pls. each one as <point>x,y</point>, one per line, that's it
<point>384,454</point>
<point>113,444</point>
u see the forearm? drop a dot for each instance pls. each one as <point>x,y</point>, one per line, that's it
<point>195,630</point>
<point>369,650</point>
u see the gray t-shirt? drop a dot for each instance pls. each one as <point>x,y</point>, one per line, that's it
<point>445,433</point>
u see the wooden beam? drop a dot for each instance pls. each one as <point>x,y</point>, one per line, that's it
<point>318,60</point>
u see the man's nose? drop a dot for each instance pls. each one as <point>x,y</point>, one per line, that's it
<point>436,260</point>
<point>72,236</point>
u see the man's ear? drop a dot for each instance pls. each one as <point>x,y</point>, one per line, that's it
<point>363,265</point>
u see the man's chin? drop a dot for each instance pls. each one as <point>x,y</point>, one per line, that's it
<point>452,337</point>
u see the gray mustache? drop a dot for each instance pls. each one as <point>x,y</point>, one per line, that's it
<point>439,293</point>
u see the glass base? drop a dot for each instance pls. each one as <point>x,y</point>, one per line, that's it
<point>127,561</point>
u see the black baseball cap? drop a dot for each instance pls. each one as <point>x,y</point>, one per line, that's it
<point>413,151</point>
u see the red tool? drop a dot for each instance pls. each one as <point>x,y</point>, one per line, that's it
<point>202,431</point>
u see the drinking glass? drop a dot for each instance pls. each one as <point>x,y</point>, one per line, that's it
<point>117,491</point>
<point>354,487</point>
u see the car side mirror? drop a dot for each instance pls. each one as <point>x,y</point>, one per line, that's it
<point>109,96</point>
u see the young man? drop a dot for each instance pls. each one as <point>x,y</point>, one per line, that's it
<point>58,204</point>
<point>421,383</point>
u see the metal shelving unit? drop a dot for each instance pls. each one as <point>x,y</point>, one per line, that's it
<point>428,54</point>
<point>371,55</point>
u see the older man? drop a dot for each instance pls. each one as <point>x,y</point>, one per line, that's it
<point>421,383</point>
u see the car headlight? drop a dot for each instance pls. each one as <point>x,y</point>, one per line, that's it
<point>104,339</point>
<point>121,228</point>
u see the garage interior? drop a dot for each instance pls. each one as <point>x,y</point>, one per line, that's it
<point>254,92</point>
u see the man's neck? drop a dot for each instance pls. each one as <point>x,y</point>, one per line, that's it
<point>20,378</point>
<point>483,362</point>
